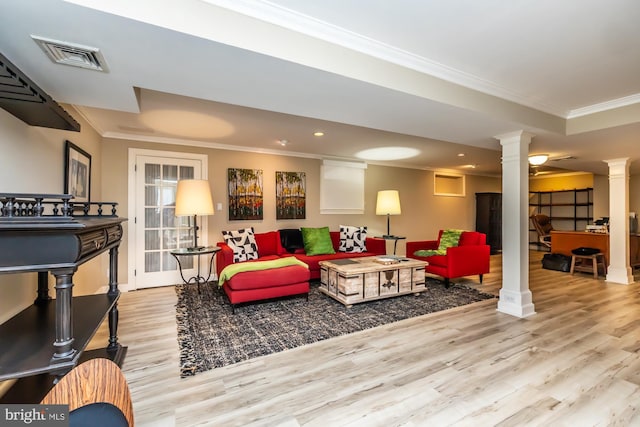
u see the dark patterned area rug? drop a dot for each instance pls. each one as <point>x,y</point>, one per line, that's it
<point>210,336</point>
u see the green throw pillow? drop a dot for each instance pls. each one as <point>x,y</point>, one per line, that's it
<point>449,239</point>
<point>317,241</point>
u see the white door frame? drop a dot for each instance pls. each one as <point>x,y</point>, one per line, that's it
<point>133,155</point>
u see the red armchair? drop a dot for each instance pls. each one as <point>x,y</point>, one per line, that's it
<point>470,257</point>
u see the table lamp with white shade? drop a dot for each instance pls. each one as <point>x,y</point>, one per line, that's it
<point>193,197</point>
<point>388,203</point>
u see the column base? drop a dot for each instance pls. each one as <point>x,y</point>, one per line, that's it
<point>622,276</point>
<point>515,303</point>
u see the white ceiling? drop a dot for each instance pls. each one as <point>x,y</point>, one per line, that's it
<point>440,77</point>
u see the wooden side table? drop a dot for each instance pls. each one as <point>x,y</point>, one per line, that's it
<point>195,252</point>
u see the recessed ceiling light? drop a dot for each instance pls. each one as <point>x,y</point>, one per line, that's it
<point>460,154</point>
<point>318,133</point>
<point>283,142</point>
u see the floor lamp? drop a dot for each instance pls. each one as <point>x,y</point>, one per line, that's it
<point>193,197</point>
<point>388,204</point>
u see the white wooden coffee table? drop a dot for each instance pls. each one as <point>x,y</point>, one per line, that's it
<point>356,280</point>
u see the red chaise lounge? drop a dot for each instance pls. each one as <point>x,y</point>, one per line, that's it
<point>265,280</point>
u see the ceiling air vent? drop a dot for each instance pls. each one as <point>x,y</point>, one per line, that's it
<point>72,54</point>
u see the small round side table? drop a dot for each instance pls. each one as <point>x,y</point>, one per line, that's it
<point>195,252</point>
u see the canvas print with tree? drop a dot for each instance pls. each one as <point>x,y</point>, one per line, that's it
<point>245,194</point>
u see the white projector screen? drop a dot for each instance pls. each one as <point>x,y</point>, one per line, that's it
<point>342,187</point>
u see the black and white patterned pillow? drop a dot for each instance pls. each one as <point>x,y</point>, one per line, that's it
<point>352,239</point>
<point>243,243</point>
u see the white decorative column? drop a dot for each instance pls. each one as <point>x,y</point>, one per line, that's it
<point>619,270</point>
<point>515,296</point>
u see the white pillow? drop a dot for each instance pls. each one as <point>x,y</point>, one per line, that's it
<point>352,239</point>
<point>243,243</point>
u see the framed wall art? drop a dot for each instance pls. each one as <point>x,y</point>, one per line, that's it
<point>245,194</point>
<point>291,193</point>
<point>77,173</point>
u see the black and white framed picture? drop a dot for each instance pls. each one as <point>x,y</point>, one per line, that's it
<point>77,173</point>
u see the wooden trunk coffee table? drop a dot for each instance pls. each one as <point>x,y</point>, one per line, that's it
<point>355,280</point>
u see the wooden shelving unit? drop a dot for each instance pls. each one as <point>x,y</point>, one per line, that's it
<point>569,210</point>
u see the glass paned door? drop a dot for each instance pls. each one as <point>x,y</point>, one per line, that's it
<point>158,230</point>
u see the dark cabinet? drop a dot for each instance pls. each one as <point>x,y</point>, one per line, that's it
<point>489,218</point>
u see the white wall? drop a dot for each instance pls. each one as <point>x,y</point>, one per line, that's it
<point>32,161</point>
<point>600,196</point>
<point>423,214</point>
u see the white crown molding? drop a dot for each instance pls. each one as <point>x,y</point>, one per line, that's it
<point>204,144</point>
<point>558,175</point>
<point>604,106</point>
<point>213,145</point>
<point>267,11</point>
<point>218,146</point>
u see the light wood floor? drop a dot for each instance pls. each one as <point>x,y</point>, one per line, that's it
<point>575,363</point>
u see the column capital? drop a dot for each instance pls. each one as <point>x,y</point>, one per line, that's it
<point>618,166</point>
<point>517,136</point>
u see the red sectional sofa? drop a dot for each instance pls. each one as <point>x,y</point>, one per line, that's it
<point>470,257</point>
<point>270,247</point>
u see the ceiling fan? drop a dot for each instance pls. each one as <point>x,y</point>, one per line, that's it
<point>538,164</point>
